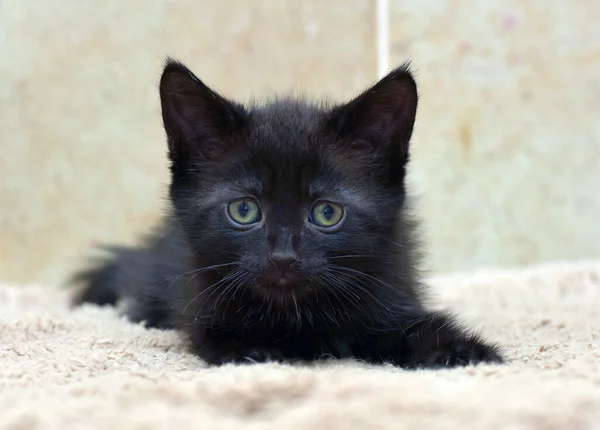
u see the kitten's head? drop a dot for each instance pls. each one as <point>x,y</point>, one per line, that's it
<point>291,199</point>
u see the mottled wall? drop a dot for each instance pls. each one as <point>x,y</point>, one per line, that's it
<point>507,149</point>
<point>506,161</point>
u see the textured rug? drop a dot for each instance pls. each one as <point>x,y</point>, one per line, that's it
<point>91,369</point>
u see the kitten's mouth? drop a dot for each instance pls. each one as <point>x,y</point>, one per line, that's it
<point>283,288</point>
<point>285,280</point>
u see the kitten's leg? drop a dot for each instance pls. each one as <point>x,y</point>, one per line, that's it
<point>98,285</point>
<point>223,349</point>
<point>124,278</point>
<point>434,340</point>
<point>437,340</point>
<point>151,308</point>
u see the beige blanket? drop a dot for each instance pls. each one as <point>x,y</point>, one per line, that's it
<point>89,368</point>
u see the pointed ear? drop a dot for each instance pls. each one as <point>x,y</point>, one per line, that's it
<point>197,120</point>
<point>380,121</point>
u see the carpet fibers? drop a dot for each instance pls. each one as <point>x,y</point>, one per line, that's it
<point>91,369</point>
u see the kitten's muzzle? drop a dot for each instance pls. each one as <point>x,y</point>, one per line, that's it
<point>282,266</point>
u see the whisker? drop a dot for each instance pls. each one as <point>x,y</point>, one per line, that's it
<point>230,290</point>
<point>341,269</point>
<point>395,243</point>
<point>360,273</point>
<point>196,272</point>
<point>337,257</point>
<point>339,282</point>
<point>211,287</point>
<point>298,315</point>
<point>344,289</point>
<point>233,274</point>
<point>328,311</point>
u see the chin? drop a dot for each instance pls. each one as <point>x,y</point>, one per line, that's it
<point>283,290</point>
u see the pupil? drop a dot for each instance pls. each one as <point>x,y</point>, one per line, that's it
<point>243,209</point>
<point>328,212</point>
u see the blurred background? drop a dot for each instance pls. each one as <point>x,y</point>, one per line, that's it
<point>506,163</point>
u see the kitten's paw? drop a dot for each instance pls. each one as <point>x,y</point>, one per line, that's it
<point>96,286</point>
<point>253,355</point>
<point>460,353</point>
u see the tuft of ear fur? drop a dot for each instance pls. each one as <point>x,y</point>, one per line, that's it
<point>381,120</point>
<point>197,120</point>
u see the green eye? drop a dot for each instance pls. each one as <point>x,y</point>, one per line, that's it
<point>244,212</point>
<point>326,214</point>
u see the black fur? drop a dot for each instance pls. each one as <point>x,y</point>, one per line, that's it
<point>284,288</point>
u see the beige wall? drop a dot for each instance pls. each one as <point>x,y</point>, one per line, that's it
<point>506,161</point>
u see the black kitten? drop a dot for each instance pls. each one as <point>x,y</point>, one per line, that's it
<point>288,237</point>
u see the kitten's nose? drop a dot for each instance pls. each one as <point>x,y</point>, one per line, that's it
<point>283,260</point>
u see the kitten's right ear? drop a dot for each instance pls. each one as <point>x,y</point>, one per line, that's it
<point>197,120</point>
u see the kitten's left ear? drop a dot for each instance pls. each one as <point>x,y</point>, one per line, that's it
<point>380,121</point>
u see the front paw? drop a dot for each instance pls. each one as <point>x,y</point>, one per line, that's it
<point>249,356</point>
<point>460,352</point>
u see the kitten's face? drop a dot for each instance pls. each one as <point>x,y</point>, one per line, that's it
<point>296,198</point>
<point>287,206</point>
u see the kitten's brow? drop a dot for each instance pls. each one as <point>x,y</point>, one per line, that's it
<point>222,192</point>
<point>348,194</point>
<point>217,194</point>
<point>356,198</point>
